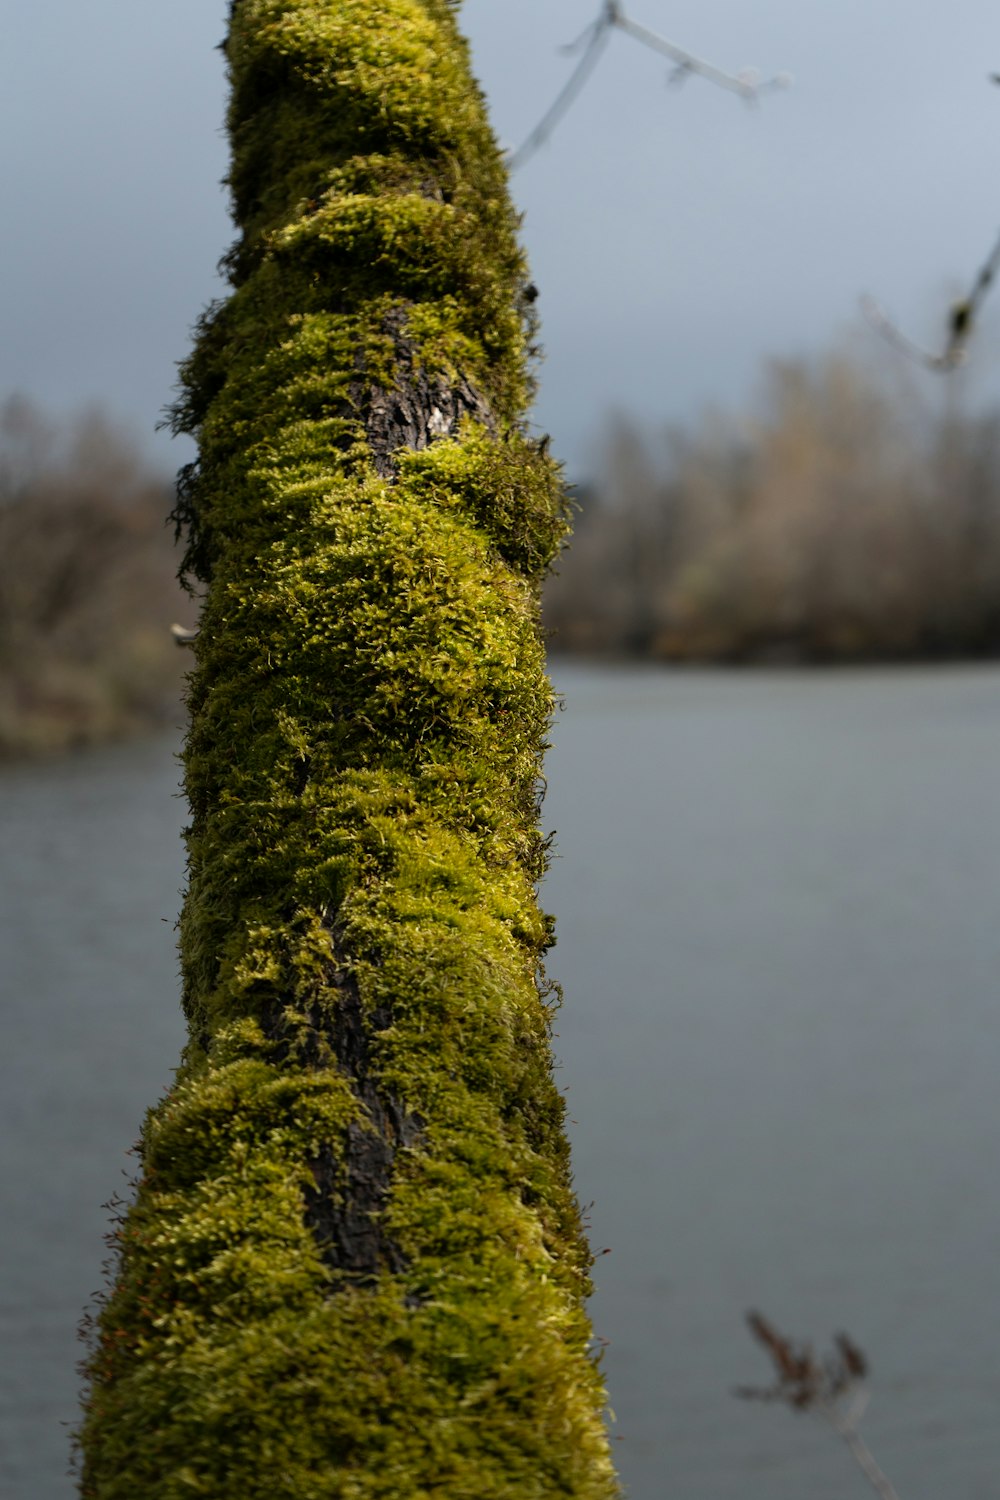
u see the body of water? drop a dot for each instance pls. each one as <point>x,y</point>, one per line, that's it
<point>778,902</point>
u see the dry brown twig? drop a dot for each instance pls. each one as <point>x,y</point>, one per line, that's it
<point>830,1388</point>
<point>591,43</point>
<point>961,319</point>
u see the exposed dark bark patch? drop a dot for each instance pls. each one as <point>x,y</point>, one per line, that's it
<point>418,408</point>
<point>345,1208</point>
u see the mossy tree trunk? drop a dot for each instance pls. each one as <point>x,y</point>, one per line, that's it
<point>355,1266</point>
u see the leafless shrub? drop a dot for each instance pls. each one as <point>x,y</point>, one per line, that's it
<point>833,526</point>
<point>86,584</point>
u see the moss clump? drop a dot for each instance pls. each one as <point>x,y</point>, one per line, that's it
<point>355,1266</point>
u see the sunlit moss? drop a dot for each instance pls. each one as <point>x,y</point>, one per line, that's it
<point>361,940</point>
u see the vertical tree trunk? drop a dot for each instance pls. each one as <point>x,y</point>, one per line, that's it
<point>355,1266</point>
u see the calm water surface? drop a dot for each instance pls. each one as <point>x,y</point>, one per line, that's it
<point>779,935</point>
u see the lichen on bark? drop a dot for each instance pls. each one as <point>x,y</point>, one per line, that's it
<point>354,1266</point>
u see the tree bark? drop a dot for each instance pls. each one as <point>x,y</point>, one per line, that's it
<point>354,1266</point>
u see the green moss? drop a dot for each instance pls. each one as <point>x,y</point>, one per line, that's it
<point>355,1266</point>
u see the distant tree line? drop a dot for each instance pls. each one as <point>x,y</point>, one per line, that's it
<point>842,523</point>
<point>87,586</point>
<point>839,523</point>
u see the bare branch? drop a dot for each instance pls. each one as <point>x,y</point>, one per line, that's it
<point>593,40</point>
<point>746,83</point>
<point>961,319</point>
<point>883,324</point>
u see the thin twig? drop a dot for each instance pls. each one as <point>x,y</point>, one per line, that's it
<point>593,40</point>
<point>743,84</point>
<point>950,358</point>
<point>846,1429</point>
<point>597,36</point>
<point>961,320</point>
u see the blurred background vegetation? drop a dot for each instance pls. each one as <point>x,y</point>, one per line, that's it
<point>87,585</point>
<point>838,521</point>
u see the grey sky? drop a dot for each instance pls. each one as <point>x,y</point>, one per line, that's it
<point>678,237</point>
